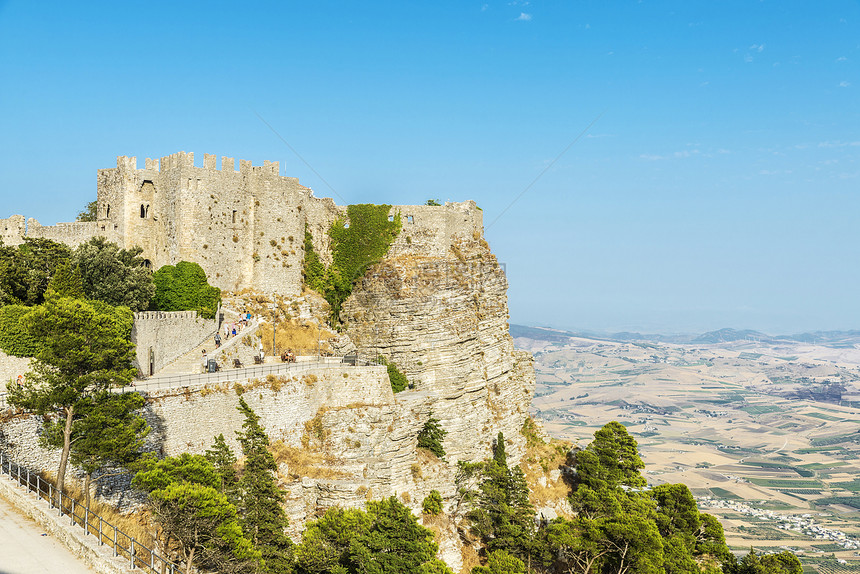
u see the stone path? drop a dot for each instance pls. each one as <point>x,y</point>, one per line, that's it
<point>24,549</point>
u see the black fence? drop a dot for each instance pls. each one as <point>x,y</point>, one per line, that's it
<point>124,546</point>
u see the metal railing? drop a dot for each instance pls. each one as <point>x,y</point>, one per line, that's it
<point>303,364</point>
<point>124,546</point>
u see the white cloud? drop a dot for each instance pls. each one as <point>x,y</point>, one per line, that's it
<point>844,84</point>
<point>839,143</point>
<point>651,157</point>
<point>841,59</point>
<point>523,17</point>
<point>757,48</point>
<point>748,58</point>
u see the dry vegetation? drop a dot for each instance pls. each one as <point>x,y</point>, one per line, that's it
<point>304,463</point>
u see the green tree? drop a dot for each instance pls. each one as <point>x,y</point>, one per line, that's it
<point>113,275</point>
<point>394,541</point>
<point>66,282</point>
<point>780,563</point>
<point>504,517</point>
<point>501,562</point>
<point>85,349</point>
<point>224,460</point>
<point>436,566</point>
<point>199,523</point>
<point>90,212</point>
<point>106,431</point>
<point>431,436</point>
<point>263,517</point>
<point>14,338</point>
<point>610,460</point>
<point>325,545</point>
<point>432,503</point>
<point>26,270</point>
<point>184,288</point>
<point>385,539</point>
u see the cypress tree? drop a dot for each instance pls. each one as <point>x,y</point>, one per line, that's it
<point>224,460</point>
<point>260,500</point>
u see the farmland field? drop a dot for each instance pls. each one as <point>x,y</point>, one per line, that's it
<point>751,427</point>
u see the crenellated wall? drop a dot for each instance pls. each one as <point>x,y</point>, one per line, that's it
<point>245,227</point>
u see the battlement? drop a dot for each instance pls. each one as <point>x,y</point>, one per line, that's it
<point>185,160</point>
<point>162,315</point>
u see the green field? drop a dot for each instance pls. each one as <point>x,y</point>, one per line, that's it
<point>822,416</point>
<point>725,494</point>
<point>853,501</point>
<point>785,483</point>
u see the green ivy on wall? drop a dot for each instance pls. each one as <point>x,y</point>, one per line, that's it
<point>358,241</point>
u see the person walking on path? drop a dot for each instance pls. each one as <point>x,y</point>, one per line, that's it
<point>205,361</point>
<point>217,340</point>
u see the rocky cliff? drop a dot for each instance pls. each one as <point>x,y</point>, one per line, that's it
<point>444,321</point>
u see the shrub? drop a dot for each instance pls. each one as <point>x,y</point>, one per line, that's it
<point>431,437</point>
<point>398,380</point>
<point>184,288</point>
<point>432,503</point>
<point>14,340</point>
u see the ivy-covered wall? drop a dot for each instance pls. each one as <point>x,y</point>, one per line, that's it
<point>358,241</point>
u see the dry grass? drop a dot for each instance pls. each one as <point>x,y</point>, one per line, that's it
<point>470,558</point>
<point>135,524</point>
<point>315,432</point>
<point>303,463</point>
<point>296,335</point>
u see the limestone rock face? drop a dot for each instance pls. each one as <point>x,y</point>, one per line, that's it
<point>444,321</point>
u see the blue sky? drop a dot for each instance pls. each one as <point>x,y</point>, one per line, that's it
<point>719,185</point>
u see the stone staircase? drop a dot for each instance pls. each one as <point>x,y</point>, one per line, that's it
<point>192,361</point>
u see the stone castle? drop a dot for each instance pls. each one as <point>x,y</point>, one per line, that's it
<point>246,228</point>
<point>435,305</point>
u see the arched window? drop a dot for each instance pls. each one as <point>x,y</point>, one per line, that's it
<point>144,211</point>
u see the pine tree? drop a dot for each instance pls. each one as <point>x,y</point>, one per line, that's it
<point>504,515</point>
<point>224,460</point>
<point>260,499</point>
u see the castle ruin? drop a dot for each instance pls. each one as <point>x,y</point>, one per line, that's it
<point>245,228</point>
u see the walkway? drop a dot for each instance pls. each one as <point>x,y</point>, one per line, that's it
<point>191,362</point>
<point>25,549</point>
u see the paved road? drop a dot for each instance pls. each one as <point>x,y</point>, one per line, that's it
<point>23,549</point>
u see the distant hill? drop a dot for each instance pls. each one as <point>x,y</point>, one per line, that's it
<point>540,333</point>
<point>727,335</point>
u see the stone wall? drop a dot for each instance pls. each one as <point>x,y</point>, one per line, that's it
<point>12,230</point>
<point>187,419</point>
<point>162,337</point>
<point>72,234</point>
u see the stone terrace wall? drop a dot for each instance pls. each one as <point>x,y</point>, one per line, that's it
<point>168,336</point>
<point>187,419</point>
